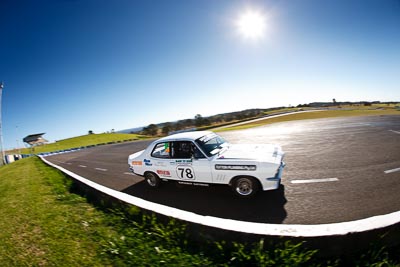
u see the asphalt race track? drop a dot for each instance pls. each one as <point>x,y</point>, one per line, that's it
<point>338,170</point>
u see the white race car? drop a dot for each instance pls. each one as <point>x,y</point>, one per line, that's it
<point>203,158</point>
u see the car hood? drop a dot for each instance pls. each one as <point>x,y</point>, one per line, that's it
<point>259,152</point>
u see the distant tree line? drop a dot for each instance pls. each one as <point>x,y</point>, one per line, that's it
<point>343,103</point>
<point>200,122</point>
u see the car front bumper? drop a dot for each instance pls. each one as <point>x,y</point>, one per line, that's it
<point>273,183</point>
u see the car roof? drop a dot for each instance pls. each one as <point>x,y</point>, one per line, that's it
<point>193,135</point>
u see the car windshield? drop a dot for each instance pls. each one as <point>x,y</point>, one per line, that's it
<point>211,144</point>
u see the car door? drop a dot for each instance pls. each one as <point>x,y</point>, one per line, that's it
<point>162,163</point>
<point>190,164</point>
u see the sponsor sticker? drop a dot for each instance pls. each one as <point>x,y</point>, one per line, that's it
<point>147,162</point>
<point>137,163</point>
<point>184,161</point>
<point>166,147</point>
<point>164,173</point>
<point>190,183</point>
<point>235,167</point>
<point>207,137</point>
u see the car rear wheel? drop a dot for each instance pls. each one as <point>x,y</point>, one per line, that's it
<point>152,179</point>
<point>245,186</point>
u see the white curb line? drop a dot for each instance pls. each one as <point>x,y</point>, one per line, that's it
<point>288,230</point>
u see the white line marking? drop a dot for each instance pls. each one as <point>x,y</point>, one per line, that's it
<point>82,166</point>
<point>100,169</point>
<point>294,230</point>
<point>128,173</point>
<point>393,170</point>
<point>308,181</point>
<point>68,163</point>
<point>394,131</point>
<point>365,124</point>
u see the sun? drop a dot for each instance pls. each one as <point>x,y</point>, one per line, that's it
<point>251,25</point>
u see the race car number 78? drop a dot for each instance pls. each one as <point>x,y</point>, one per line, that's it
<point>185,172</point>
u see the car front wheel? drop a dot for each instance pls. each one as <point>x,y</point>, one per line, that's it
<point>245,186</point>
<point>152,179</point>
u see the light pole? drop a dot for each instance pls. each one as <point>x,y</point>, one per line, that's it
<point>1,129</point>
<point>19,149</point>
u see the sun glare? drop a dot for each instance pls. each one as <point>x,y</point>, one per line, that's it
<point>252,25</point>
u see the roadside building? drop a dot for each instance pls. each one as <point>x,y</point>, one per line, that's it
<point>35,139</point>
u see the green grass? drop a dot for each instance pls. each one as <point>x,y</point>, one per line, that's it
<point>314,115</point>
<point>43,223</point>
<point>85,140</point>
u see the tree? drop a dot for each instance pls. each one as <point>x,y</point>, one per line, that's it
<point>152,129</point>
<point>239,116</point>
<point>218,119</point>
<point>187,122</point>
<point>252,113</point>
<point>90,132</point>
<point>334,101</point>
<point>206,121</point>
<point>198,120</point>
<point>228,117</point>
<point>178,126</point>
<point>166,128</point>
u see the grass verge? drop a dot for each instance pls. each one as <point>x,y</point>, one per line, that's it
<point>43,223</point>
<point>313,115</point>
<point>79,141</point>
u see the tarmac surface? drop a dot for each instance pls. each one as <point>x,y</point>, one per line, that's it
<point>337,170</point>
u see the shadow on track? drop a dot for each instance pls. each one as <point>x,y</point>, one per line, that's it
<point>217,201</point>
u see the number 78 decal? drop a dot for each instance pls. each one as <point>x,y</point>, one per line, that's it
<point>185,172</point>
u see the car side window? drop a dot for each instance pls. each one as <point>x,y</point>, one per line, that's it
<point>181,150</point>
<point>185,150</point>
<point>162,150</point>
<point>197,153</point>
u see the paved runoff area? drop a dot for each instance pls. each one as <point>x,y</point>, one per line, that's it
<point>337,170</point>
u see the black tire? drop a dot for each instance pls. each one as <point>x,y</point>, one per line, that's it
<point>152,179</point>
<point>245,186</point>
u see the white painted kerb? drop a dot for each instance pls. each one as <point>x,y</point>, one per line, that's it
<point>292,230</point>
<point>393,170</point>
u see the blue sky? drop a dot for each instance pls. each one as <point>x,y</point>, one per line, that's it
<point>70,66</point>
